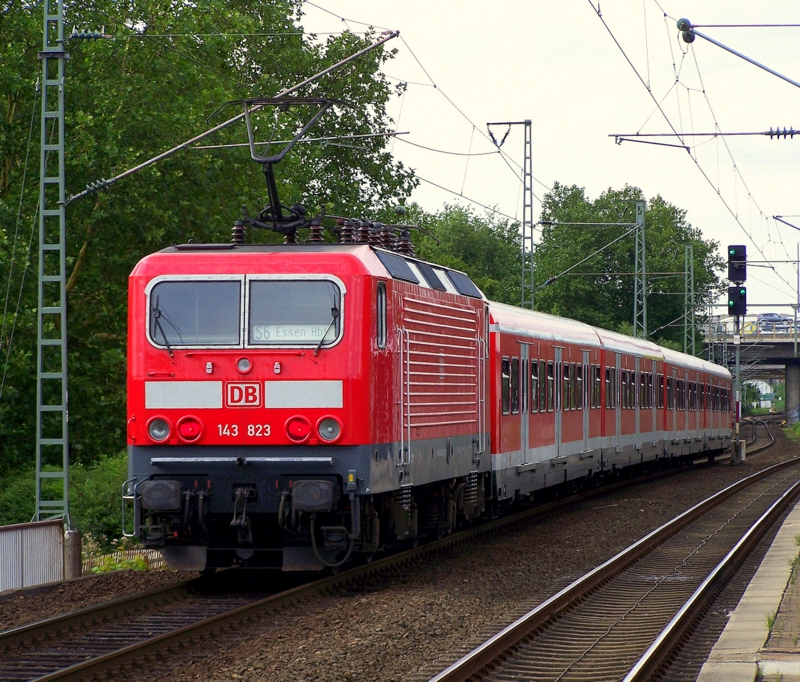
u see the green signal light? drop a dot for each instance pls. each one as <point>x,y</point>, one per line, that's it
<point>730,304</point>
<point>732,252</point>
<point>742,292</point>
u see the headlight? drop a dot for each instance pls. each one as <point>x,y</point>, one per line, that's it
<point>244,365</point>
<point>158,428</point>
<point>329,429</point>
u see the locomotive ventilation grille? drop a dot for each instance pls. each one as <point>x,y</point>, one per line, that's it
<point>441,363</point>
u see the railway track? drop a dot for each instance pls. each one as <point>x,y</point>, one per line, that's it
<point>627,618</point>
<point>110,636</point>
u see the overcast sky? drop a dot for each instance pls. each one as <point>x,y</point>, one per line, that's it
<point>556,63</point>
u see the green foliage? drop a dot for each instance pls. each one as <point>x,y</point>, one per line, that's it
<point>104,562</point>
<point>108,563</point>
<point>486,248</point>
<point>604,297</point>
<point>129,98</point>
<point>94,497</point>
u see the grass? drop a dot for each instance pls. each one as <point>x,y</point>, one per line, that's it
<point>770,619</point>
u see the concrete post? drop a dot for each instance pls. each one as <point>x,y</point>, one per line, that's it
<point>792,394</point>
<point>72,555</point>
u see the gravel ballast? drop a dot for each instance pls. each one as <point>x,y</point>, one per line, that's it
<point>421,620</point>
<point>416,622</point>
<point>27,606</point>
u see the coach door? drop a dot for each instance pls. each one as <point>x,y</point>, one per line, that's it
<point>617,396</point>
<point>637,400</point>
<point>559,397</point>
<point>586,394</point>
<point>524,412</point>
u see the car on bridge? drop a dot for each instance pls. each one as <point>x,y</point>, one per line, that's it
<point>774,322</point>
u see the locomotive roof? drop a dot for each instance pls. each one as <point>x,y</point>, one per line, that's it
<point>185,258</point>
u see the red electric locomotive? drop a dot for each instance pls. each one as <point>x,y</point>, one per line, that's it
<point>291,405</point>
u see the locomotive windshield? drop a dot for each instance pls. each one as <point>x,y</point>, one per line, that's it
<point>196,313</point>
<point>293,312</point>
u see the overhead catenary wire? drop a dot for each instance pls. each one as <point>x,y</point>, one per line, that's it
<point>472,201</point>
<point>675,132</point>
<point>184,145</point>
<point>331,138</point>
<point>166,46</point>
<point>550,280</point>
<point>27,260</point>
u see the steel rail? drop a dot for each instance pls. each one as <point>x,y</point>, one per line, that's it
<point>492,649</point>
<point>51,626</point>
<point>671,635</point>
<point>114,660</point>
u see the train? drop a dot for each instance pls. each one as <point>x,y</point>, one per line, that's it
<point>302,406</point>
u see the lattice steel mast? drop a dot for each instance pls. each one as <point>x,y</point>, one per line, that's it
<point>688,301</point>
<point>640,276</point>
<point>527,208</point>
<point>52,415</point>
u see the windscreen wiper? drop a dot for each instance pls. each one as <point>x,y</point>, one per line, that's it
<point>157,319</point>
<point>334,317</point>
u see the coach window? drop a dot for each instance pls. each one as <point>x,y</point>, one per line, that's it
<point>505,386</point>
<point>660,397</point>
<point>624,397</point>
<point>542,386</point>
<point>670,393</point>
<point>299,312</point>
<point>381,300</point>
<point>524,386</point>
<point>515,386</point>
<point>566,400</point>
<point>579,387</point>
<point>195,313</point>
<point>534,386</point>
<point>551,381</point>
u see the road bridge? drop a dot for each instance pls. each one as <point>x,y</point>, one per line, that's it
<point>768,352</point>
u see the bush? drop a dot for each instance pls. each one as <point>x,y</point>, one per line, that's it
<point>95,497</point>
<point>93,550</point>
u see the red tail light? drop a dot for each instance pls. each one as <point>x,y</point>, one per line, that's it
<point>190,429</point>
<point>298,429</point>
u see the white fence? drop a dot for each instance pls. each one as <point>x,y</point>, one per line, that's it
<point>152,557</point>
<point>31,554</point>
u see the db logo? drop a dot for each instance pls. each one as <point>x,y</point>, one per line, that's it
<point>243,395</point>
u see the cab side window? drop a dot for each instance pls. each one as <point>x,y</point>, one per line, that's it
<point>381,301</point>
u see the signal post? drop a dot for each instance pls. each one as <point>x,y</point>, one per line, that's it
<point>737,306</point>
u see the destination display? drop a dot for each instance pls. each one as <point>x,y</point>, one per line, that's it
<point>291,333</point>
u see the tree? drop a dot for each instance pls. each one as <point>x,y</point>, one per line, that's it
<point>600,290</point>
<point>486,248</point>
<point>170,64</point>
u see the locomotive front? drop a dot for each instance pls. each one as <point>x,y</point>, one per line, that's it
<point>250,403</point>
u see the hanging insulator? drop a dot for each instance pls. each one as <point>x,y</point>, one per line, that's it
<point>315,232</point>
<point>239,232</point>
<point>87,35</point>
